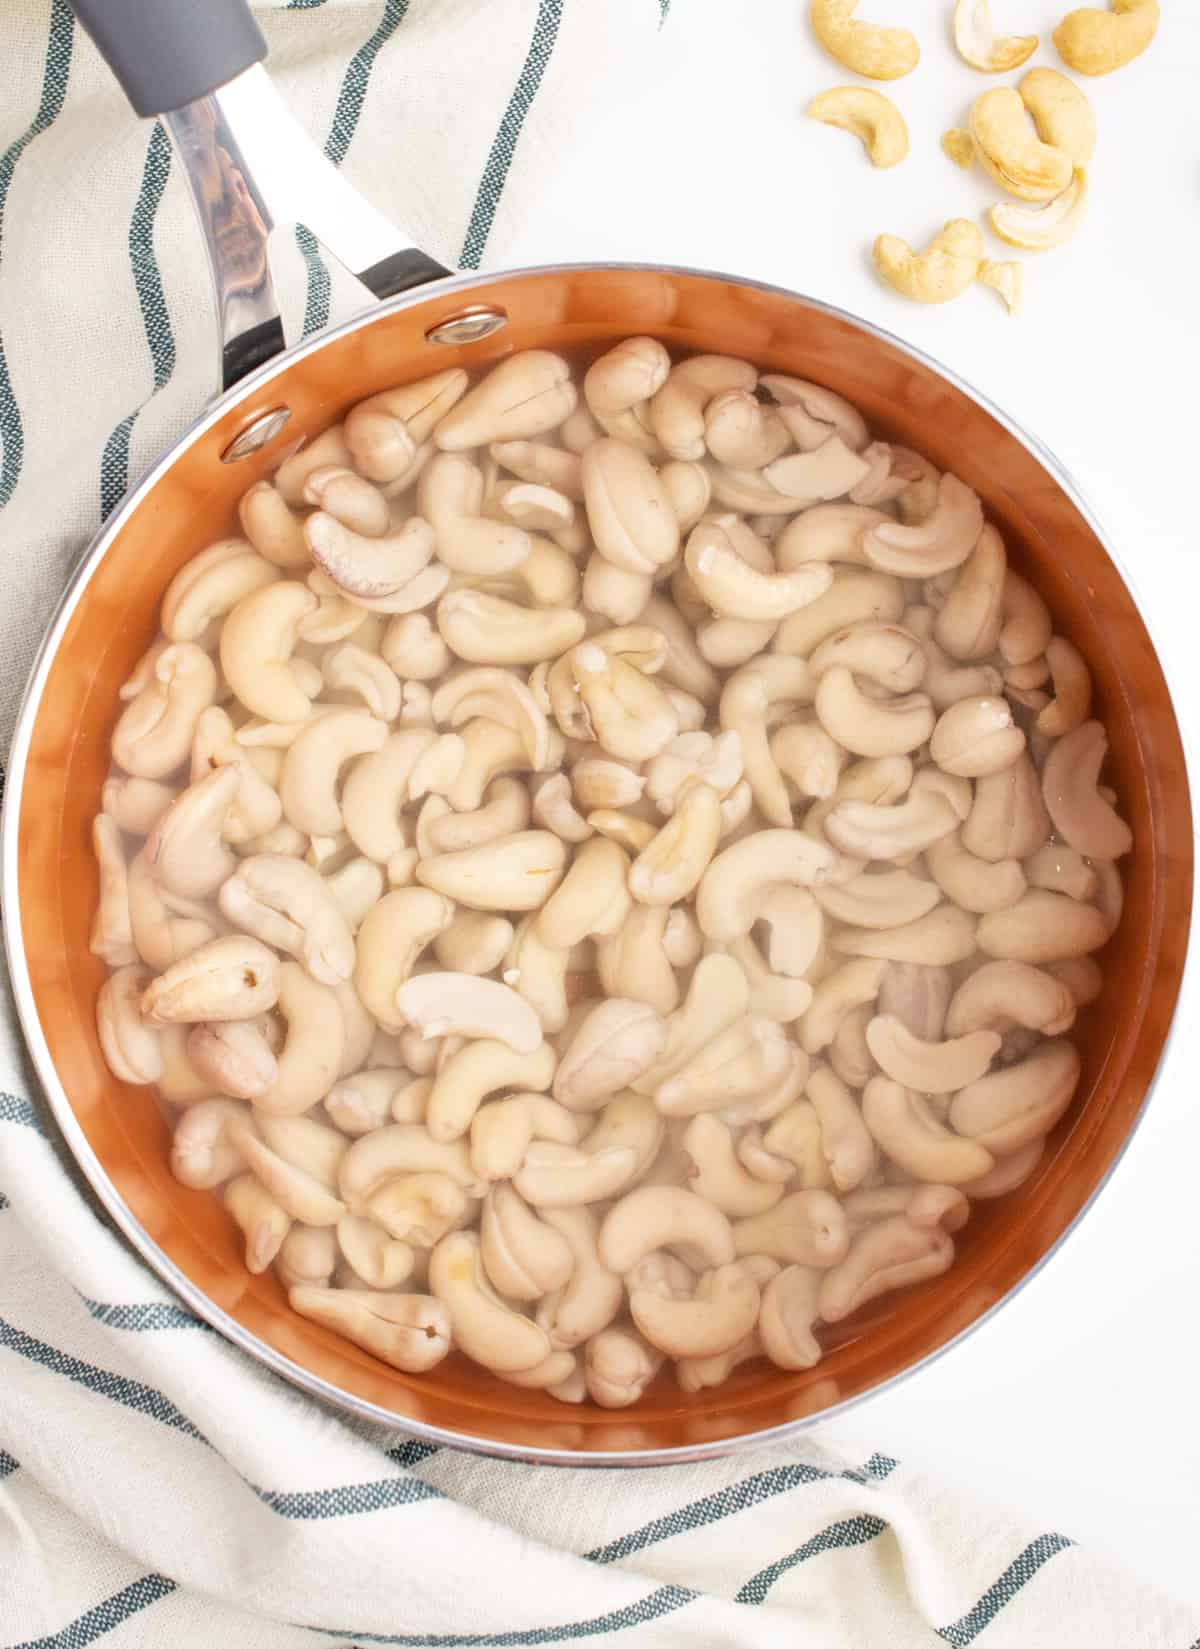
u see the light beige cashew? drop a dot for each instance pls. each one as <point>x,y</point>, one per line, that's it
<point>788,1316</point>
<point>772,995</point>
<point>486,629</point>
<point>365,1100</point>
<point>1043,927</point>
<point>978,885</point>
<point>671,866</point>
<point>1009,1109</point>
<point>1072,699</point>
<point>795,1136</point>
<point>751,1057</point>
<point>633,962</point>
<point>1089,822</point>
<point>806,1228</point>
<point>944,270</point>
<point>296,1162</point>
<point>154,733</point>
<point>257,641</point>
<point>522,1256</point>
<point>601,784</point>
<point>262,1221</point>
<point>879,486</point>
<point>413,648</point>
<point>316,453</point>
<point>813,413</point>
<point>382,433</point>
<point>308,1255</point>
<point>735,589</point>
<point>614,1044</point>
<point>185,851</point>
<point>829,471</point>
<point>563,1176</point>
<point>628,509</point>
<point>349,499</point>
<point>356,888</point>
<point>661,1216</point>
<point>848,1052</point>
<point>208,585</point>
<point>741,431</point>
<point>904,1125</point>
<point>450,496</point>
<point>682,940</point>
<point>256,809</point>
<point>500,696</point>
<point>539,973</point>
<point>894,832</point>
<point>718,997</point>
<point>590,900</point>
<point>1008,818</point>
<point>503,1130</point>
<point>474,943</point>
<point>592,1296</point>
<point>678,406</point>
<point>938,544</point>
<point>807,757</point>
<point>1010,1171</point>
<point>473,1072</point>
<point>286,903</point>
<point>270,525</point>
<point>579,429</point>
<point>930,1066</point>
<point>351,669</point>
<point>1061,869</point>
<point>684,666</point>
<point>1038,228</point>
<point>945,936</point>
<point>541,465</point>
<point>554,809</point>
<point>420,1208</point>
<point>918,997</point>
<point>867,726</point>
<point>748,699</point>
<point>618,1366</point>
<point>890,1254</point>
<point>390,941</point>
<point>980,46</point>
<point>1009,151</point>
<point>309,1063</point>
<point>411,1332</point>
<point>378,1176</point>
<point>1061,112</point>
<point>700,1373</point>
<point>968,623</point>
<point>722,1312</point>
<point>204,1150</point>
<point>235,1057</point>
<point>883,900</point>
<point>132,1049</point>
<point>136,804</point>
<point>624,378</point>
<point>112,930</point>
<point>866,48</point>
<point>737,888</point>
<point>925,1206</point>
<point>976,736</point>
<point>484,1327</point>
<point>846,1142</point>
<point>775,1098</point>
<point>1027,628</point>
<point>761,1163</point>
<point>308,786</point>
<point>945,682</point>
<point>999,995</point>
<point>1094,41</point>
<point>379,1260</point>
<point>869,116</point>
<point>165,928</point>
<point>230,978</point>
<point>885,654</point>
<point>719,1176</point>
<point>629,714</point>
<point>461,1004</point>
<point>524,396</point>
<point>519,872</point>
<point>854,597</point>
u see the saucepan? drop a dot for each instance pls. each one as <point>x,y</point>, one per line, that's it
<point>251,167</point>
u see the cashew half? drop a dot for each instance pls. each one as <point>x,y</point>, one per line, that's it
<point>1070,786</point>
<point>460,1004</point>
<point>981,47</point>
<point>890,1254</point>
<point>1008,1109</point>
<point>722,1312</point>
<point>519,872</point>
<point>1001,994</point>
<point>1038,228</point>
<point>869,116</point>
<point>483,1326</point>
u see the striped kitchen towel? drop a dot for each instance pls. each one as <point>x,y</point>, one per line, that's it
<point>155,1487</point>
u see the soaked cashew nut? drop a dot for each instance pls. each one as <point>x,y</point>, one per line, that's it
<point>619,1365</point>
<point>628,510</point>
<point>906,1127</point>
<point>981,47</point>
<point>592,1296</point>
<point>670,867</point>
<point>866,48</point>
<point>976,736</point>
<point>525,395</point>
<point>676,411</point>
<point>837,994</point>
<point>460,1004</point>
<point>722,1312</point>
<point>978,885</point>
<point>890,1254</point>
<point>750,1058</point>
<point>272,528</point>
<point>230,978</point>
<point>719,1176</point>
<point>518,873</point>
<point>737,887</point>
<point>944,270</point>
<point>112,930</point>
<point>132,1049</point>
<point>310,1060</point>
<point>854,597</point>
<point>483,1326</point>
<point>945,936</point>
<point>734,589</point>
<point>413,648</point>
<point>662,1216</point>
<point>1008,818</point>
<point>473,1072</point>
<point>1092,41</point>
<point>931,1067</point>
<point>881,900</point>
<point>308,785</point>
<point>718,997</point>
<point>806,1228</point>
<point>208,585</point>
<point>871,727</point>
<point>1042,927</point>
<point>263,1222</point>
<point>869,116</point>
<point>614,1044</point>
<point>741,431</point>
<point>287,903</point>
<point>523,1257</point>
<point>999,995</point>
<point>1080,813</point>
<point>257,641</point>
<point>235,1057</point>
<point>155,730</point>
<point>487,629</point>
<point>846,1142</point>
<point>1007,1110</point>
<point>390,940</point>
<point>1009,151</point>
<point>411,1332</point>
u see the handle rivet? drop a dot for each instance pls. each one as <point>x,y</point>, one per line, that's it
<point>468,326</point>
<point>256,434</point>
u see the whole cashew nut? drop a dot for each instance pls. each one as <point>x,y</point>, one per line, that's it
<point>869,116</point>
<point>722,1312</point>
<point>806,1228</point>
<point>1007,1110</point>
<point>944,270</point>
<point>230,978</point>
<point>132,1049</point>
<point>483,1326</point>
<point>866,48</point>
<point>1092,41</point>
<point>1070,786</point>
<point>287,903</point>
<point>155,730</point>
<point>888,1255</point>
<point>1009,151</point>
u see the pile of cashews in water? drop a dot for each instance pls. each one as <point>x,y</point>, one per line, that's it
<point>604,877</point>
<point>1035,139</point>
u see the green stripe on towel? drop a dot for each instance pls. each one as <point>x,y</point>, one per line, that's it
<point>504,144</point>
<point>852,1531</point>
<point>1020,1571</point>
<point>55,75</point>
<point>106,1616</point>
<point>15,1109</point>
<point>156,320</point>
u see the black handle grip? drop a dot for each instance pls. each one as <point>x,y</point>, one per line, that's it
<point>167,53</point>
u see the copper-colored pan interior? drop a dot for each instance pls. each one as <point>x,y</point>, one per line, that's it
<point>1122,1036</point>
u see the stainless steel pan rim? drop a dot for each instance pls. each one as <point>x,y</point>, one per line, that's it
<point>60,1105</point>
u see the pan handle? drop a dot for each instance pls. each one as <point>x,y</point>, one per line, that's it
<point>249,163</point>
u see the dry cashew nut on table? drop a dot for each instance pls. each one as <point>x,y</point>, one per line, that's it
<point>870,116</point>
<point>610,979</point>
<point>944,270</point>
<point>980,46</point>
<point>866,48</point>
<point>1096,41</point>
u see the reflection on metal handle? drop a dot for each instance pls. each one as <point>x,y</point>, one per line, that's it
<point>251,166</point>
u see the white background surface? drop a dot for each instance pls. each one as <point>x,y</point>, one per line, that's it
<point>1079,1403</point>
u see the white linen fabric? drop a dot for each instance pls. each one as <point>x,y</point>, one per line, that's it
<point>156,1487</point>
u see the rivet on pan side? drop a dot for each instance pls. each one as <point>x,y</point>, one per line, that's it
<point>468,326</point>
<point>255,436</point>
